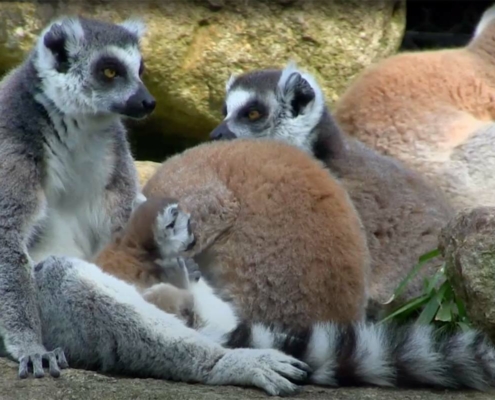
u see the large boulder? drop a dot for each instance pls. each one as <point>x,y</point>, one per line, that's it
<point>193,46</point>
<point>468,245</point>
<point>86,385</point>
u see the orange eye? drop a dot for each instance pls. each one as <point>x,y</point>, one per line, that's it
<point>109,73</point>
<point>254,115</point>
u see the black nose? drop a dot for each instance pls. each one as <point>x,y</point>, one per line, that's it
<point>37,267</point>
<point>149,104</point>
<point>222,132</point>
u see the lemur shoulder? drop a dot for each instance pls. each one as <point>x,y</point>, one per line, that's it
<point>434,111</point>
<point>401,212</point>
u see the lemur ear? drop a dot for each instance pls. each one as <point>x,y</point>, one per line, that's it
<point>135,25</point>
<point>229,83</point>
<point>294,90</point>
<point>61,37</point>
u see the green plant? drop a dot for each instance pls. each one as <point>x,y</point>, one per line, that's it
<point>437,304</point>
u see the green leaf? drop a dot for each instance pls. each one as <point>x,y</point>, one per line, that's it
<point>414,271</point>
<point>445,312</point>
<point>431,308</point>
<point>464,327</point>
<point>436,278</point>
<point>408,307</point>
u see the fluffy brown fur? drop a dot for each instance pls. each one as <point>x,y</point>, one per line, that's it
<point>260,214</point>
<point>433,110</point>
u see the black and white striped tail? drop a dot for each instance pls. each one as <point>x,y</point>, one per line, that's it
<point>381,355</point>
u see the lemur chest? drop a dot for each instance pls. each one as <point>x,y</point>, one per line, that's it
<point>74,220</point>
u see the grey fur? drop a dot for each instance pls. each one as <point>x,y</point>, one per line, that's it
<point>402,213</point>
<point>103,323</point>
<point>67,178</point>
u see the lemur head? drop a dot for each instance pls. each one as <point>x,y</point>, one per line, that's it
<point>93,67</point>
<point>279,104</point>
<point>160,227</point>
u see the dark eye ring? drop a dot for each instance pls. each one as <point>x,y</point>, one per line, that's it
<point>171,225</point>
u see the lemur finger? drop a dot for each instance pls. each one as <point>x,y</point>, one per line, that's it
<point>23,367</point>
<point>53,368</point>
<point>62,360</point>
<point>37,362</point>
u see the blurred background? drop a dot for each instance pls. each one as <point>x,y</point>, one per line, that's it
<point>193,46</point>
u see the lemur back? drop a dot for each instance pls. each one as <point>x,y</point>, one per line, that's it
<point>402,214</point>
<point>434,111</point>
<point>260,215</point>
<point>67,178</point>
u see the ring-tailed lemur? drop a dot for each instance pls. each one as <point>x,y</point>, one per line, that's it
<point>104,323</point>
<point>67,178</point>
<point>260,215</point>
<point>401,213</point>
<point>147,253</point>
<point>434,111</point>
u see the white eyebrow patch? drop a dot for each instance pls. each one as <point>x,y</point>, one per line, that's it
<point>237,99</point>
<point>130,56</point>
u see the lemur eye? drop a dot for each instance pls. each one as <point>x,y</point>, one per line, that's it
<point>171,225</point>
<point>141,68</point>
<point>254,115</point>
<point>224,110</point>
<point>110,73</point>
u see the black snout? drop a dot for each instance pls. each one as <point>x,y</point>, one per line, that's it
<point>37,267</point>
<point>222,132</point>
<point>139,105</point>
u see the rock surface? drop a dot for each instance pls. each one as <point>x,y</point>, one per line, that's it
<point>468,245</point>
<point>193,46</point>
<point>145,170</point>
<point>86,385</point>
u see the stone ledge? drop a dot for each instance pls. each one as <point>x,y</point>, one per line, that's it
<point>87,385</point>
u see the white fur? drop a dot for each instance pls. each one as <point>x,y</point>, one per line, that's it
<point>485,20</point>
<point>236,100</point>
<point>78,167</point>
<point>229,83</point>
<point>172,241</point>
<point>371,353</point>
<point>217,315</point>
<point>321,354</point>
<point>135,25</point>
<point>296,130</point>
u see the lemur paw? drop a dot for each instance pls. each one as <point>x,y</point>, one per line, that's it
<point>56,360</point>
<point>270,370</point>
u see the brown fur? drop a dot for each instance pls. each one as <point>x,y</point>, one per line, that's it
<point>424,107</point>
<point>402,215</point>
<point>260,213</point>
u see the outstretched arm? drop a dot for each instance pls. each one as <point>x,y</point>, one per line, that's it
<point>21,200</point>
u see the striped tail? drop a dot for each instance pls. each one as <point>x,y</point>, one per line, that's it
<point>380,354</point>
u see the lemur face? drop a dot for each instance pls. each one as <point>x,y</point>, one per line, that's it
<point>173,232</point>
<point>93,67</point>
<point>278,104</point>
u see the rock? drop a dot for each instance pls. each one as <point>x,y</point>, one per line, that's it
<point>193,46</point>
<point>86,385</point>
<point>145,170</point>
<point>468,245</point>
